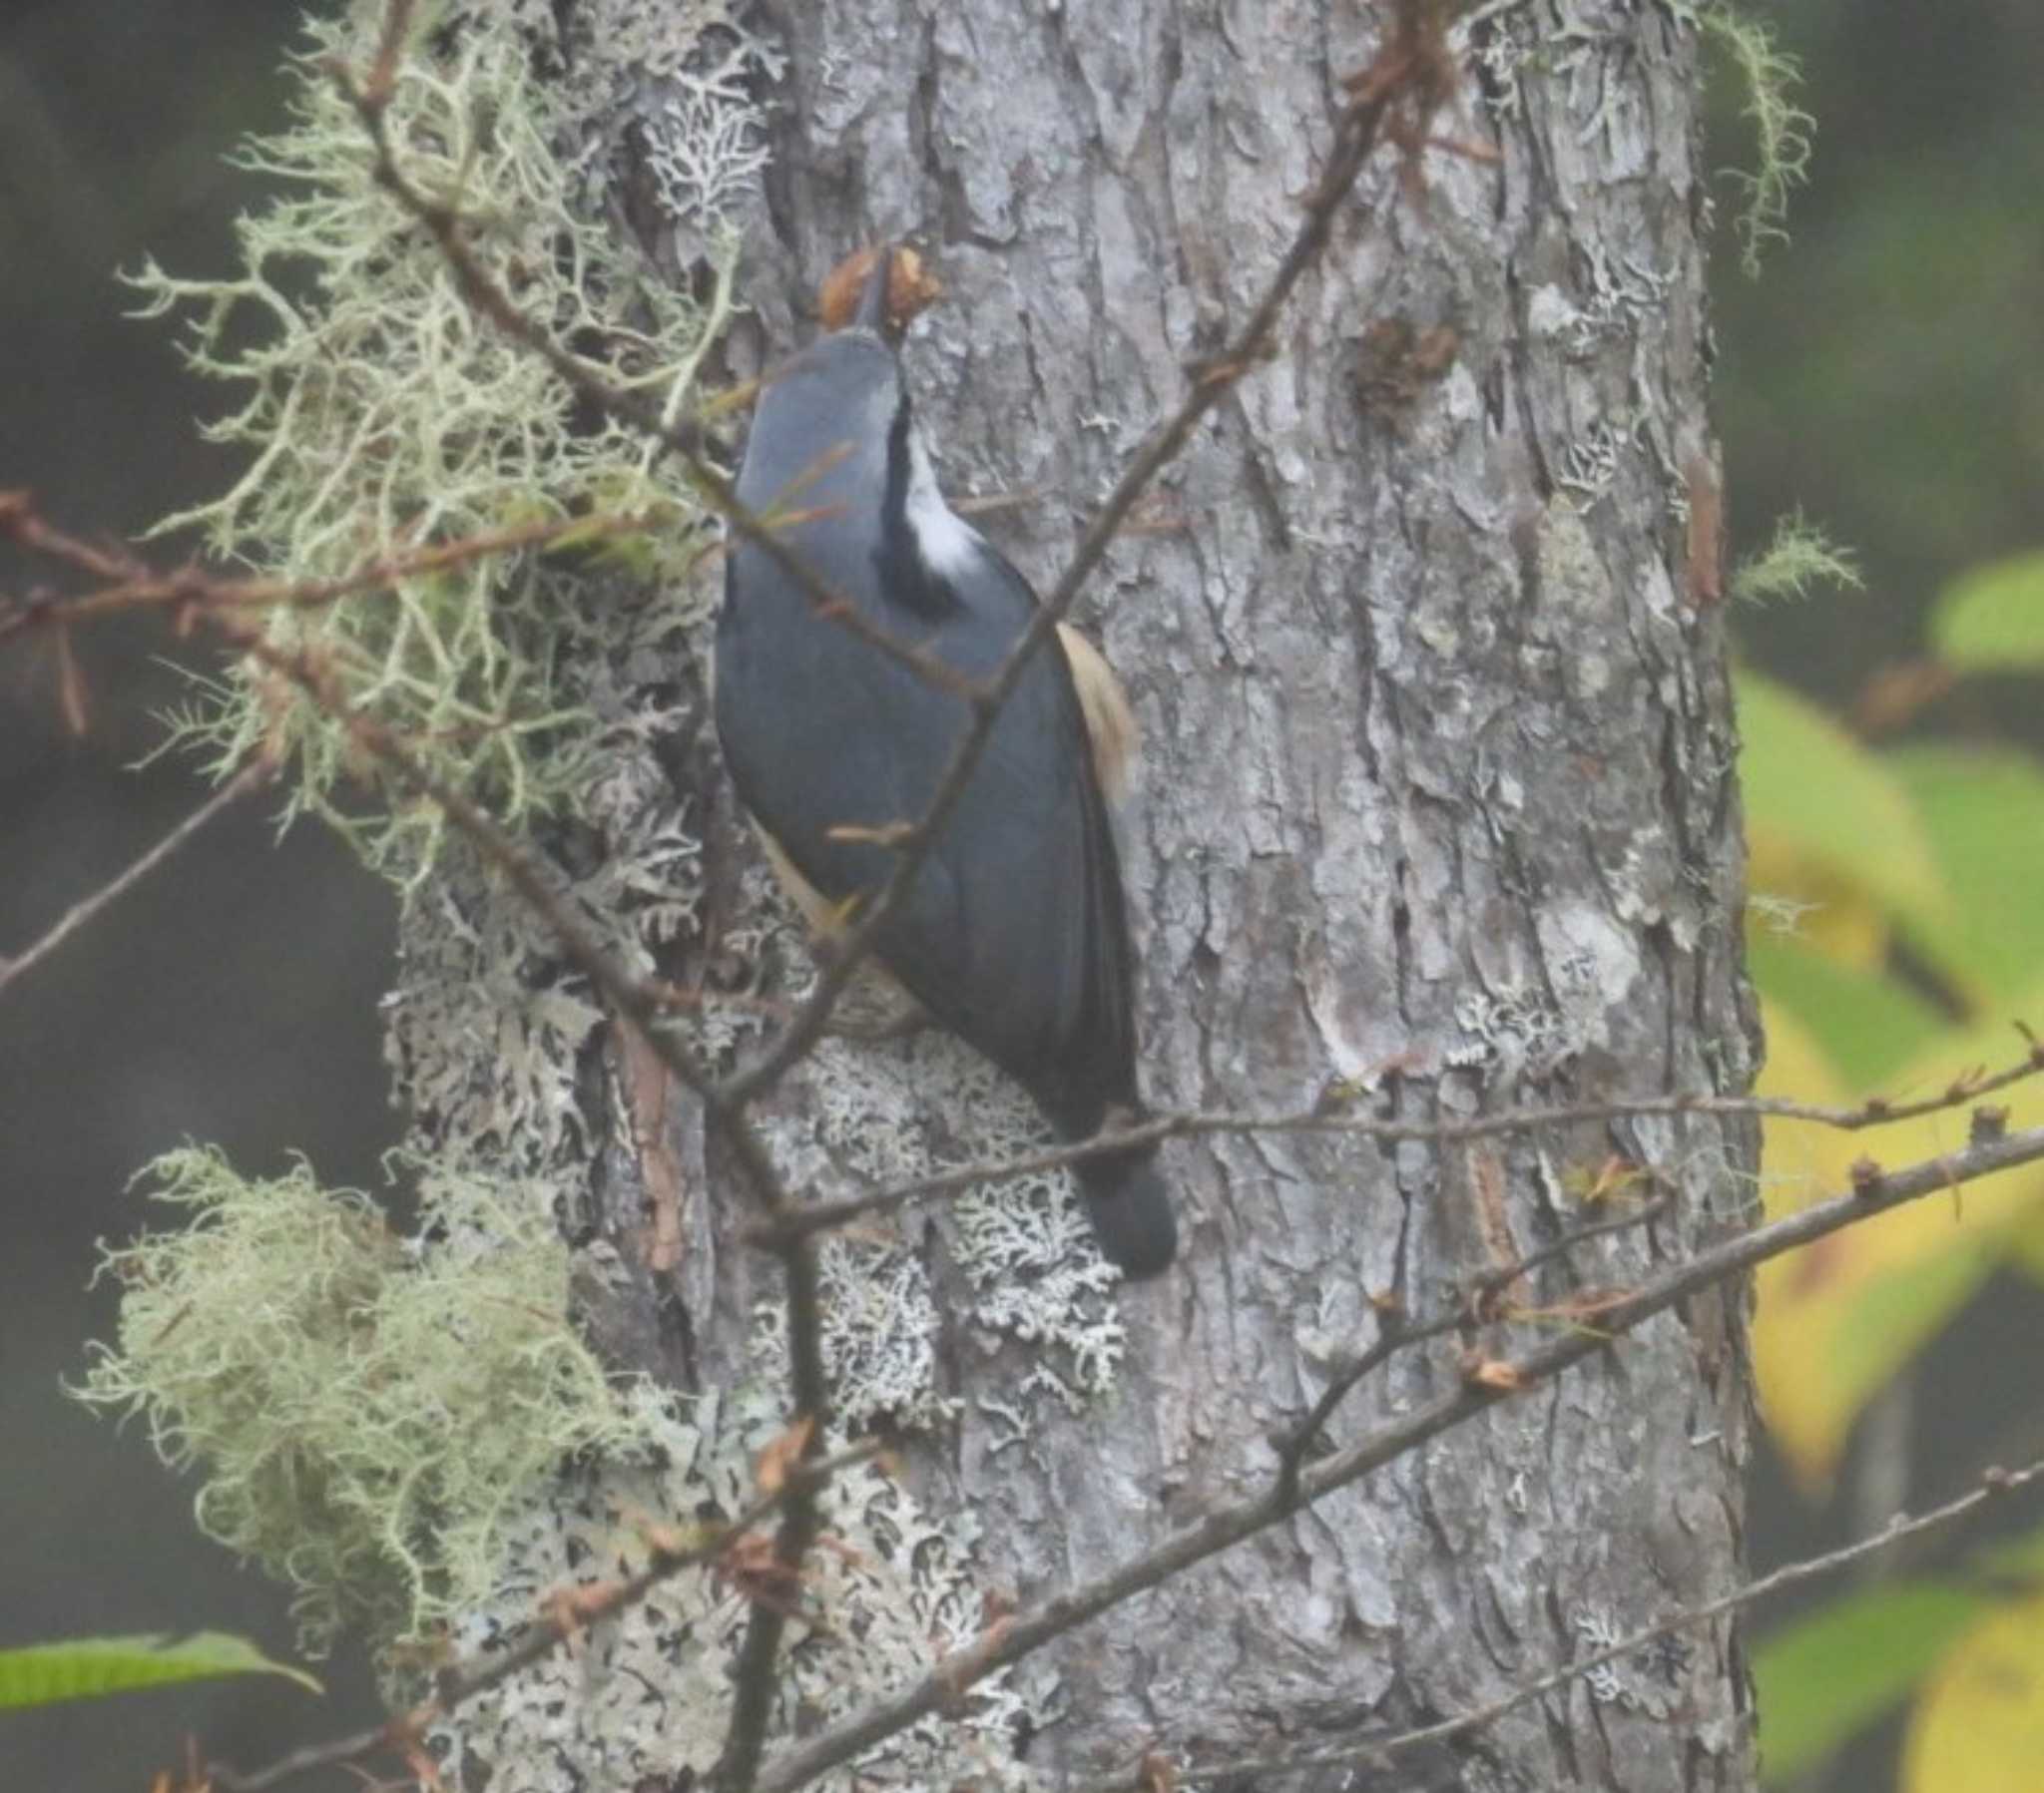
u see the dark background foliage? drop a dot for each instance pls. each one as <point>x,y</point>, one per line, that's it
<point>1887,374</point>
<point>231,998</point>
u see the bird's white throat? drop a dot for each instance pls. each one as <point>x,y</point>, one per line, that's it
<point>946,542</point>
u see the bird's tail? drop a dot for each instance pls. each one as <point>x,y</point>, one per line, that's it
<point>1129,1211</point>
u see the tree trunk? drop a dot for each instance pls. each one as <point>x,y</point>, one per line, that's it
<point>1438,818</point>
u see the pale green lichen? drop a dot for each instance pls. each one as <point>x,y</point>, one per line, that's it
<point>1799,560</point>
<point>383,410</point>
<point>1784,134</point>
<point>366,1411</point>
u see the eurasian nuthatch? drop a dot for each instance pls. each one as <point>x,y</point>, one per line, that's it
<point>1013,932</point>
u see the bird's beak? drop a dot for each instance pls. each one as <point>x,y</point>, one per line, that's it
<point>873,302</point>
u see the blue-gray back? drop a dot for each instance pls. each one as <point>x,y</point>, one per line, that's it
<point>1013,933</point>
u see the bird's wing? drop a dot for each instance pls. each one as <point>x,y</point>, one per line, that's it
<point>1013,933</point>
<point>1045,896</point>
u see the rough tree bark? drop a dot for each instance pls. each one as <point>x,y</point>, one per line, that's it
<point>1437,809</point>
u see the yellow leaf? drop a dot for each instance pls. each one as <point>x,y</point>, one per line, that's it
<point>1814,790</point>
<point>1840,1317</point>
<point>1979,1727</point>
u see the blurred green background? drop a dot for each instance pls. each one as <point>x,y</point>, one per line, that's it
<point>1886,375</point>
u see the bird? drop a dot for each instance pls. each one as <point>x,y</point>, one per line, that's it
<point>1013,932</point>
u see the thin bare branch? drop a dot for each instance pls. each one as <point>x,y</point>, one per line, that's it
<point>753,1703</point>
<point>638,1001</point>
<point>249,780</point>
<point>130,584</point>
<point>1396,1332</point>
<point>1023,1634</point>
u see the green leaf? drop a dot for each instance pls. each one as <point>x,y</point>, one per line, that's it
<point>41,1675</point>
<point>1814,790</point>
<point>1826,1676</point>
<point>1983,810</point>
<point>1992,619</point>
<point>1869,1025</point>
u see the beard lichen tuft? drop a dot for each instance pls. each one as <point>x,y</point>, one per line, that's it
<point>367,1412</point>
<point>381,412</point>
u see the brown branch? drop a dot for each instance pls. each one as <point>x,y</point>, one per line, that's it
<point>250,779</point>
<point>642,1001</point>
<point>1874,1192</point>
<point>1874,1112</point>
<point>1021,1635</point>
<point>752,1701</point>
<point>1993,1484</point>
<point>540,1638</point>
<point>752,1708</point>
<point>638,1001</point>
<point>128,583</point>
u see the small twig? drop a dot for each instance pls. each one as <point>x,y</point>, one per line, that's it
<point>1491,1282</point>
<point>250,779</point>
<point>1396,1333</point>
<point>129,583</point>
<point>753,1674</point>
